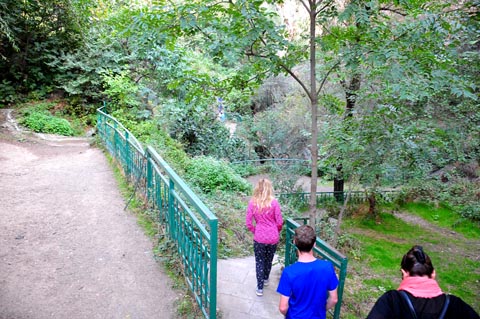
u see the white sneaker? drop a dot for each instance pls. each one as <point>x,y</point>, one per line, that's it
<point>265,282</point>
<point>259,292</point>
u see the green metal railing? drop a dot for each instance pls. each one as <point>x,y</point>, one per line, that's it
<point>356,197</point>
<point>186,219</point>
<point>275,161</point>
<point>323,251</point>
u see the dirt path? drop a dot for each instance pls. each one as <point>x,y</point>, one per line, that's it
<point>67,247</point>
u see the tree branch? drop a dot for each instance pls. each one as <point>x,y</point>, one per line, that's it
<point>305,5</point>
<point>326,77</point>
<point>296,78</point>
<point>322,8</point>
<point>394,10</point>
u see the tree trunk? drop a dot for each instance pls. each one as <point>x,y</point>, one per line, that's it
<point>372,201</point>
<point>351,97</point>
<point>340,219</point>
<point>314,110</point>
<point>338,184</point>
<point>351,94</point>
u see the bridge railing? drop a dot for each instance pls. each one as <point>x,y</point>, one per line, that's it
<point>322,250</point>
<point>186,219</point>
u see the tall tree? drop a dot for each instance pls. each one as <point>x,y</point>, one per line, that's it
<point>397,57</point>
<point>36,31</point>
<point>246,30</point>
<point>382,52</point>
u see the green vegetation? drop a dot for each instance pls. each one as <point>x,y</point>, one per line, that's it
<point>445,218</point>
<point>46,123</point>
<point>211,175</point>
<point>396,107</point>
<point>38,118</point>
<point>382,245</point>
<point>53,116</point>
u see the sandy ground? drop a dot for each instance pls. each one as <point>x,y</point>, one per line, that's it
<point>67,247</point>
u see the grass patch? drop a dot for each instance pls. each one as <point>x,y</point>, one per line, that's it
<point>387,225</point>
<point>464,283</point>
<point>383,244</point>
<point>444,217</point>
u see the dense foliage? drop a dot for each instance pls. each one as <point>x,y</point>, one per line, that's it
<point>397,89</point>
<point>390,87</point>
<point>33,34</point>
<point>212,175</point>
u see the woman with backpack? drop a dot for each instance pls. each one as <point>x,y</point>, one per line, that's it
<point>419,295</point>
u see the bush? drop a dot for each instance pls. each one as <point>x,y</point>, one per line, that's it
<point>471,212</point>
<point>245,169</point>
<point>43,122</point>
<point>459,194</point>
<point>210,175</point>
<point>7,93</point>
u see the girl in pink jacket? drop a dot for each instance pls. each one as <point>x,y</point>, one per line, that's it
<point>264,220</point>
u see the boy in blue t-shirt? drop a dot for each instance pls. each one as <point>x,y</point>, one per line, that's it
<point>308,288</point>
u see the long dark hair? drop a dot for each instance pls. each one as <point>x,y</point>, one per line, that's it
<point>417,263</point>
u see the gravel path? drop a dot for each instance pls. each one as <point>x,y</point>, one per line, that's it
<point>67,247</point>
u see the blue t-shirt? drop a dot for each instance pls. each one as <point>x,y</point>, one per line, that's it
<point>307,285</point>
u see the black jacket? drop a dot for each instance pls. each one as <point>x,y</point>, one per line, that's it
<point>391,305</point>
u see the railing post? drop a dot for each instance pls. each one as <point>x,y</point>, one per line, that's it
<point>149,175</point>
<point>171,209</point>
<point>115,138</point>
<point>128,160</point>
<point>288,244</point>
<point>213,268</point>
<point>342,277</point>
<point>100,125</point>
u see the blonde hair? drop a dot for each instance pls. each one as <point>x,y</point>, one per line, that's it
<point>263,194</point>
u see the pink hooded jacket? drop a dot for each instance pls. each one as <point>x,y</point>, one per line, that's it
<point>268,222</point>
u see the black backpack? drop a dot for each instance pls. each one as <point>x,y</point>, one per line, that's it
<point>412,310</point>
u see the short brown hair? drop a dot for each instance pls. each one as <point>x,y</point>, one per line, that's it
<point>304,238</point>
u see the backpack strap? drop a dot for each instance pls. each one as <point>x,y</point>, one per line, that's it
<point>445,306</point>
<point>412,310</point>
<point>409,303</point>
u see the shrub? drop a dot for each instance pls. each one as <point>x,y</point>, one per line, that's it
<point>459,193</point>
<point>7,92</point>
<point>245,169</point>
<point>43,122</point>
<point>210,175</point>
<point>471,212</point>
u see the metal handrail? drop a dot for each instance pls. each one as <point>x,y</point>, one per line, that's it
<point>187,220</point>
<point>295,160</point>
<point>325,251</point>
<point>355,196</point>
